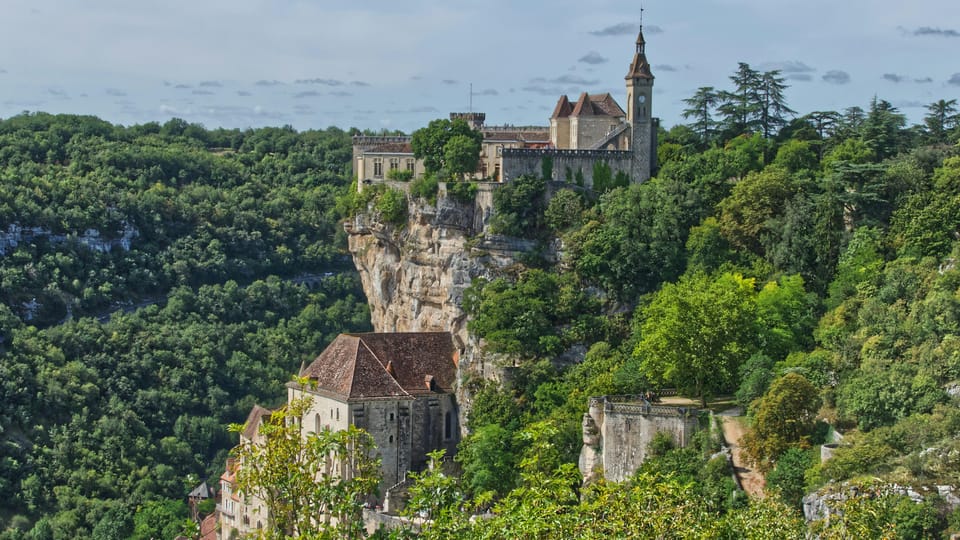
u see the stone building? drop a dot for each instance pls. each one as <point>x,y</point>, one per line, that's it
<point>593,130</point>
<point>618,429</point>
<point>240,516</point>
<point>396,386</point>
<point>399,387</point>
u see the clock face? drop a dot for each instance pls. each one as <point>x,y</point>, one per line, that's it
<point>643,99</point>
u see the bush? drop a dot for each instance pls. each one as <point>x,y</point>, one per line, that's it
<point>463,192</point>
<point>392,205</point>
<point>425,187</point>
<point>400,175</point>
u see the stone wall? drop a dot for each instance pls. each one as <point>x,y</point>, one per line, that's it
<point>517,162</point>
<point>618,429</point>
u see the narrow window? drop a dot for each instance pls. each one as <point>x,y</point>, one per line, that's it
<point>316,423</point>
<point>391,417</point>
<point>394,163</point>
<point>411,164</point>
<point>378,167</point>
<point>391,439</point>
<point>338,413</point>
<point>448,425</point>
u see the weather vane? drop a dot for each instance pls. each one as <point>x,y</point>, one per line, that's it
<point>641,15</point>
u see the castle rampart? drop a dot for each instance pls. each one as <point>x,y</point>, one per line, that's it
<point>617,431</point>
<point>567,165</point>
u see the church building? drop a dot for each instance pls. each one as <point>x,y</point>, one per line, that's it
<point>593,133</point>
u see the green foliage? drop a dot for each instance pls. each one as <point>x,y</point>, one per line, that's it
<point>400,175</point>
<point>564,210</point>
<point>446,145</point>
<point>695,334</point>
<point>159,519</point>
<point>602,177</point>
<point>425,187</point>
<point>292,472</point>
<point>784,417</point>
<point>546,168</point>
<point>462,192</point>
<point>488,461</point>
<point>518,207</point>
<point>392,206</point>
<point>787,477</point>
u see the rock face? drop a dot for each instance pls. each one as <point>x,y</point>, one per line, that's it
<point>414,276</point>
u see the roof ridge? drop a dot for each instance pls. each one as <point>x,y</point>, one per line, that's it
<point>383,366</point>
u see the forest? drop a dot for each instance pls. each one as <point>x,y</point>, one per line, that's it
<point>801,265</point>
<point>112,414</point>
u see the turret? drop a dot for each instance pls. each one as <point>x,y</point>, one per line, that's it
<point>643,143</point>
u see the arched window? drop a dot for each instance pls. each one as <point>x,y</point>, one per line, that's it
<point>391,439</point>
<point>316,423</point>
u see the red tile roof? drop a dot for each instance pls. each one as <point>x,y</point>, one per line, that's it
<point>208,528</point>
<point>254,419</point>
<point>563,108</point>
<point>589,105</point>
<point>385,365</point>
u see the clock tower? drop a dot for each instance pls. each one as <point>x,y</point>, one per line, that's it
<point>643,142</point>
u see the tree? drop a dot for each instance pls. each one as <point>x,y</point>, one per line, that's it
<point>784,417</point>
<point>752,203</point>
<point>773,110</point>
<point>564,210</point>
<point>696,333</point>
<point>741,107</point>
<point>941,120</point>
<point>430,145</point>
<point>701,106</point>
<point>311,482</point>
<point>883,129</point>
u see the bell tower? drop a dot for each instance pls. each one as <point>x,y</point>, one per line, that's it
<point>643,142</point>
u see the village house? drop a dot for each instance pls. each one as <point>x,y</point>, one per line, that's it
<point>396,386</point>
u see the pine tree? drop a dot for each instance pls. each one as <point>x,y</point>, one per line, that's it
<point>740,107</point>
<point>701,106</point>
<point>941,120</point>
<point>773,110</point>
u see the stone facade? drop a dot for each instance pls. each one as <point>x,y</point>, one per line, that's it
<point>618,429</point>
<point>626,141</point>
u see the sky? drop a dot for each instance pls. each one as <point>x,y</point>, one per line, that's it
<point>388,64</point>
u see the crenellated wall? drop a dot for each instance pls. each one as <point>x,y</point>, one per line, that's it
<point>617,431</point>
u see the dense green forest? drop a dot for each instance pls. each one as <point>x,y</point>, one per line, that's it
<point>804,265</point>
<point>109,420</point>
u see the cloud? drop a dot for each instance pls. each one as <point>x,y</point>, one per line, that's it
<point>308,93</point>
<point>449,81</point>
<point>243,93</point>
<point>325,82</point>
<point>115,92</point>
<point>931,31</point>
<point>836,76</point>
<point>210,84</point>
<point>802,77</point>
<point>414,110</point>
<point>786,66</point>
<point>182,86</point>
<point>202,93</point>
<point>341,93</point>
<point>593,58</point>
<point>664,67</point>
<point>543,90</point>
<point>58,93</point>
<point>416,77</point>
<point>623,29</point>
<point>359,83</point>
<point>24,102</point>
<point>263,82</point>
<point>566,79</point>
<point>954,79</point>
<point>893,77</point>
<point>487,92</point>
<point>923,80</point>
<point>2,71</point>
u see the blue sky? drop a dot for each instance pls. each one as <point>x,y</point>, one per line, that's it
<point>388,64</point>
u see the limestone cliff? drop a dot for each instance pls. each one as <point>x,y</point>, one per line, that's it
<point>414,276</point>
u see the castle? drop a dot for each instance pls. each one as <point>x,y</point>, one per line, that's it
<point>583,134</point>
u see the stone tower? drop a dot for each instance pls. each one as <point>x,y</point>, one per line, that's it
<point>643,142</point>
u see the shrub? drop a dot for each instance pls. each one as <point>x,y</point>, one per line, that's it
<point>392,205</point>
<point>425,187</point>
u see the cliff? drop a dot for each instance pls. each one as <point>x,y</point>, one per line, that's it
<point>414,276</point>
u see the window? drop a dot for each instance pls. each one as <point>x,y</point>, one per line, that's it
<point>394,163</point>
<point>316,423</point>
<point>338,413</point>
<point>391,417</point>
<point>448,425</point>
<point>411,165</point>
<point>499,150</point>
<point>391,439</point>
<point>378,167</point>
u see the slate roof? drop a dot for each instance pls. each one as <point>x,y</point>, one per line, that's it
<point>390,148</point>
<point>254,419</point>
<point>385,365</point>
<point>588,105</point>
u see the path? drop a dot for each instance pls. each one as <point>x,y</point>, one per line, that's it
<point>733,429</point>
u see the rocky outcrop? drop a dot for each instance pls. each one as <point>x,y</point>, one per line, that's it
<point>414,276</point>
